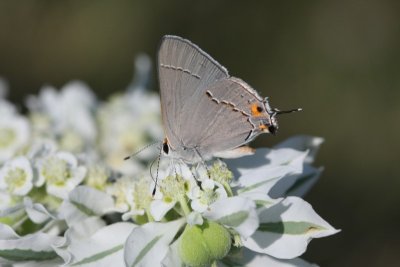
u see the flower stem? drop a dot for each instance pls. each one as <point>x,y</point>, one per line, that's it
<point>227,189</point>
<point>184,206</point>
<point>149,217</point>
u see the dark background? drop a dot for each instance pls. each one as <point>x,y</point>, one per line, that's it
<point>338,60</point>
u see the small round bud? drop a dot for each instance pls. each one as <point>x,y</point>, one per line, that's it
<point>200,245</point>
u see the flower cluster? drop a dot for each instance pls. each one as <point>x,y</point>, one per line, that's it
<point>67,197</point>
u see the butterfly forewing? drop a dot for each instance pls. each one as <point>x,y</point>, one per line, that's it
<point>185,72</point>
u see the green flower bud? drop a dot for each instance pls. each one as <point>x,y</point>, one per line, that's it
<point>200,245</point>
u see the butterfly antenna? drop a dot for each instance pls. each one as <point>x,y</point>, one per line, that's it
<point>203,162</point>
<point>142,149</point>
<point>158,167</point>
<point>278,112</point>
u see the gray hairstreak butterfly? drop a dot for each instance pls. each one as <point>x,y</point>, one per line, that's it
<point>205,111</point>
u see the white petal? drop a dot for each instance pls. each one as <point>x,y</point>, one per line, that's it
<point>128,215</point>
<point>148,244</point>
<point>194,218</point>
<point>68,157</point>
<point>158,208</point>
<point>235,212</point>
<point>286,229</point>
<point>207,184</point>
<point>198,206</point>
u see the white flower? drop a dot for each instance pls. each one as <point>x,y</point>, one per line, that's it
<point>209,193</point>
<point>174,185</point>
<point>61,173</point>
<point>70,110</point>
<point>16,176</point>
<point>97,176</point>
<point>14,134</point>
<point>120,190</point>
<point>126,124</point>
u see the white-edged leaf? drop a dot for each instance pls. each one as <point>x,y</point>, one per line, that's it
<point>264,178</point>
<point>172,258</point>
<point>6,232</point>
<point>103,247</point>
<point>10,210</point>
<point>237,212</point>
<point>265,157</point>
<point>303,143</point>
<point>37,212</point>
<point>148,244</point>
<point>45,263</point>
<point>261,200</point>
<point>248,258</point>
<point>85,202</point>
<point>37,246</point>
<point>297,184</point>
<point>91,200</point>
<point>82,230</point>
<point>286,229</point>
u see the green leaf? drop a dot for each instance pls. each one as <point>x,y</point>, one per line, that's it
<point>84,209</point>
<point>234,219</point>
<point>254,186</point>
<point>146,249</point>
<point>99,256</point>
<point>290,227</point>
<point>262,203</point>
<point>27,255</point>
<point>301,181</point>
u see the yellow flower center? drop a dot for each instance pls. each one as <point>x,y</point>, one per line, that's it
<point>15,178</point>
<point>56,171</point>
<point>7,137</point>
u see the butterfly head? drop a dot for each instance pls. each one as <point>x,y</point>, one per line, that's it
<point>270,125</point>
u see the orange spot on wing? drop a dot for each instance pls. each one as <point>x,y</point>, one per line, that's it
<point>254,110</point>
<point>262,127</point>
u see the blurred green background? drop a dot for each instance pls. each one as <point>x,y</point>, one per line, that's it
<point>338,60</point>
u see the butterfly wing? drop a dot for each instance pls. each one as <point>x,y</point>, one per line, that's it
<point>231,114</point>
<point>185,71</point>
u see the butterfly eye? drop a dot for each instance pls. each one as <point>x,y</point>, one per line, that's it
<point>272,129</point>
<point>165,148</point>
